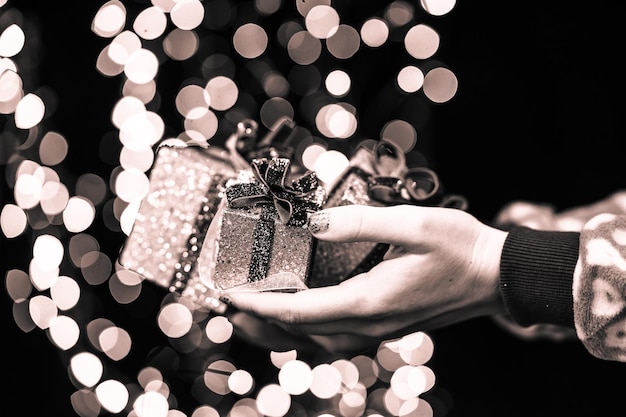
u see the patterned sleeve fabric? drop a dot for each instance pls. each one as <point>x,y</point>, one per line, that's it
<point>571,279</point>
<point>599,287</point>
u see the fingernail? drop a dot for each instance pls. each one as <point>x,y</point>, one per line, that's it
<point>226,300</point>
<point>319,222</point>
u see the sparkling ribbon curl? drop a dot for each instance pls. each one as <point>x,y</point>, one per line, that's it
<point>418,185</point>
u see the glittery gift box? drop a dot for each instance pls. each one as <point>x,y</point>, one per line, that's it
<point>337,261</point>
<point>185,189</point>
<point>261,240</point>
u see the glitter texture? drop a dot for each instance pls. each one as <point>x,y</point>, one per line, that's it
<point>186,186</point>
<point>260,239</point>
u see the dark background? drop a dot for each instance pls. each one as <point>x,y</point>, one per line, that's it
<point>538,116</point>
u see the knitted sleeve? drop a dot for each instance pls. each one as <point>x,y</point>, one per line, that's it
<point>571,279</point>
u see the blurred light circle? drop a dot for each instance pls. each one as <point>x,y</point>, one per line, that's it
<point>344,43</point>
<point>438,7</point>
<point>87,368</point>
<point>190,98</point>
<point>52,149</point>
<point>174,320</point>
<point>421,379</point>
<point>399,13</point>
<point>29,111</point>
<point>295,377</point>
<point>181,44</point>
<point>54,197</point>
<point>326,381</point>
<point>274,109</point>
<point>115,342</point>
<point>310,155</point>
<point>10,86</point>
<point>338,83</point>
<point>13,220</point>
<point>204,122</point>
<point>12,41</point>
<point>145,92</point>
<point>219,329</point>
<point>374,32</point>
<point>440,85</point>
<point>110,19</point>
<point>79,214</point>
<point>273,401</point>
<point>330,164</point>
<point>410,79</point>
<point>240,382</point>
<point>250,40</point>
<point>187,14</point>
<point>217,374</point>
<point>126,107</point>
<point>113,396</point>
<point>150,23</point>
<point>421,41</point>
<point>267,7</point>
<point>223,92</point>
<point>106,66</point>
<point>305,6</point>
<point>303,48</point>
<point>92,187</point>
<point>42,310</point>
<point>401,133</point>
<point>141,160</point>
<point>64,332</point>
<point>96,267</point>
<point>123,46</point>
<point>322,21</point>
<point>142,66</point>
<point>48,252</point>
<point>416,348</point>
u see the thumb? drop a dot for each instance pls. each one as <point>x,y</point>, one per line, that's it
<point>360,223</point>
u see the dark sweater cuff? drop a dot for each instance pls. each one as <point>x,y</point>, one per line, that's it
<point>536,274</point>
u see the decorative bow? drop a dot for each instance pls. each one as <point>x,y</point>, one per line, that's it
<point>291,200</point>
<point>418,185</point>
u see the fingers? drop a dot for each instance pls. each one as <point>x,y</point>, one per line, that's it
<point>358,223</point>
<point>315,305</point>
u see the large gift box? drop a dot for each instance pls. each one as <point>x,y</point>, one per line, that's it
<point>376,176</point>
<point>186,186</point>
<point>260,240</point>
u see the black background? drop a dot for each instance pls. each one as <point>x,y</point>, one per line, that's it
<point>538,116</point>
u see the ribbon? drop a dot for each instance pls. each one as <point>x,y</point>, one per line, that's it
<point>290,201</point>
<point>418,185</point>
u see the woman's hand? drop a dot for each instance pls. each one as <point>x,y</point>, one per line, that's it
<point>442,267</point>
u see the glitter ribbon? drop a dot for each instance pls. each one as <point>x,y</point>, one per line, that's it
<point>290,201</point>
<point>418,185</point>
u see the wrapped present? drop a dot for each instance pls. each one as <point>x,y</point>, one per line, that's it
<point>185,189</point>
<point>376,176</point>
<point>261,240</point>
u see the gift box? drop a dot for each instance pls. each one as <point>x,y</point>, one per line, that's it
<point>375,176</point>
<point>186,186</point>
<point>260,240</point>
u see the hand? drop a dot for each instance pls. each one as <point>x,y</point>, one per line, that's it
<point>442,267</point>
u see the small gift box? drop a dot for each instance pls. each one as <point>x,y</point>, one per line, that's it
<point>260,240</point>
<point>375,176</point>
<point>186,186</point>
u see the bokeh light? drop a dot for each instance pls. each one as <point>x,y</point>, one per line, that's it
<point>187,72</point>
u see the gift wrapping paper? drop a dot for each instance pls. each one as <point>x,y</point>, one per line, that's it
<point>185,189</point>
